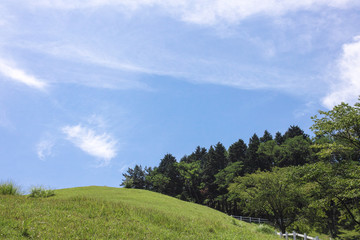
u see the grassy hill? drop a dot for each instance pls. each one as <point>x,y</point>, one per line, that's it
<point>115,213</point>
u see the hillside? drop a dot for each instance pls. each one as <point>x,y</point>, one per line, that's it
<point>115,213</point>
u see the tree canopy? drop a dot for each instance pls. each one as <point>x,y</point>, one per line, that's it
<point>299,182</point>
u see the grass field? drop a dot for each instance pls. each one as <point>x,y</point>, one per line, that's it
<point>116,213</point>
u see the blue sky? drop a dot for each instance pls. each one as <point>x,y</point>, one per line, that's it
<point>90,88</point>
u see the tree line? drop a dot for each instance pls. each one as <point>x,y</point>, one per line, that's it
<point>292,179</point>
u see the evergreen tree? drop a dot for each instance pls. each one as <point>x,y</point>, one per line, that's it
<point>221,156</point>
<point>134,178</point>
<point>279,138</point>
<point>294,131</point>
<point>211,168</point>
<point>237,151</point>
<point>198,155</point>
<point>251,163</point>
<point>266,137</point>
<point>168,168</point>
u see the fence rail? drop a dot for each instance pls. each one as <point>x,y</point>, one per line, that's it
<point>251,219</point>
<point>285,235</point>
<point>294,235</point>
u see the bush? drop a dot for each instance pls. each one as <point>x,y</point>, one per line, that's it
<point>9,188</point>
<point>41,192</point>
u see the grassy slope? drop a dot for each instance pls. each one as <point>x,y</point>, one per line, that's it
<point>113,213</point>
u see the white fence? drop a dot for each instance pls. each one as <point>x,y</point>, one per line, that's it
<point>294,235</point>
<point>285,235</point>
<point>251,219</point>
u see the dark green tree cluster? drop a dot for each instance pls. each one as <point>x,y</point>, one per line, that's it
<point>308,184</point>
<point>204,176</point>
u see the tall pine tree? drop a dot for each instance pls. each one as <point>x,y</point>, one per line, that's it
<point>251,164</point>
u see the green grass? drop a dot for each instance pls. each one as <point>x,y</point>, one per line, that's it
<point>41,192</point>
<point>114,213</point>
<point>9,188</point>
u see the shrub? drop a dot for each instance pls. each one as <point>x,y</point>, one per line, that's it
<point>9,188</point>
<point>41,192</point>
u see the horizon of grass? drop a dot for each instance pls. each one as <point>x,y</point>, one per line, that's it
<point>118,213</point>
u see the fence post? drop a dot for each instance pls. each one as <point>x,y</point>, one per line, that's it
<point>305,236</point>
<point>240,218</point>
<point>286,236</point>
<point>281,235</point>
<point>316,238</point>
<point>259,220</point>
<point>250,219</point>
<point>294,235</point>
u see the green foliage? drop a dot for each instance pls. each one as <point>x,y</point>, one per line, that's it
<point>294,131</point>
<point>334,193</point>
<point>237,151</point>
<point>135,178</point>
<point>342,126</point>
<point>274,194</point>
<point>266,137</point>
<point>113,213</point>
<point>294,152</point>
<point>228,174</point>
<point>169,176</point>
<point>198,155</point>
<point>252,163</point>
<point>9,188</point>
<point>40,192</point>
<point>279,138</point>
<point>191,177</point>
<point>159,181</point>
<point>267,154</point>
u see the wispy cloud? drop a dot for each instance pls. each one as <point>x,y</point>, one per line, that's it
<point>98,64</point>
<point>347,87</point>
<point>44,149</point>
<point>73,52</point>
<point>207,12</point>
<point>101,146</point>
<point>214,11</point>
<point>16,74</point>
<point>127,44</point>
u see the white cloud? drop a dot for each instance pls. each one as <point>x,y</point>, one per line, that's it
<point>212,12</point>
<point>207,12</point>
<point>347,88</point>
<point>19,75</point>
<point>79,53</point>
<point>102,146</point>
<point>44,149</point>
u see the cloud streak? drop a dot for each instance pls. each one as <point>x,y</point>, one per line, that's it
<point>126,45</point>
<point>19,75</point>
<point>207,12</point>
<point>101,146</point>
<point>347,88</point>
<point>44,149</point>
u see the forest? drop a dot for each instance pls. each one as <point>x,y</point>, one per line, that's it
<point>299,182</point>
